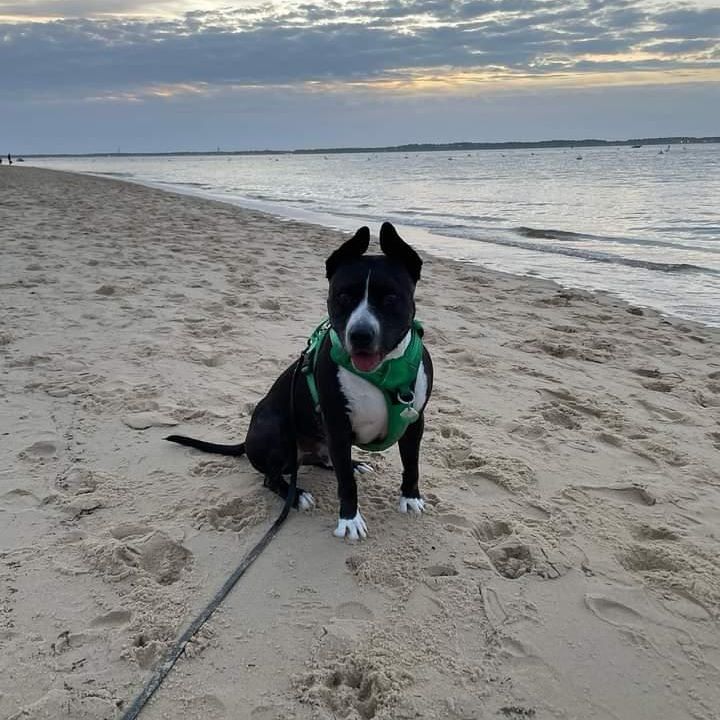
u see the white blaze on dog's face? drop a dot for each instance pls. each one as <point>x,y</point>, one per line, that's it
<point>371,300</point>
<point>362,334</point>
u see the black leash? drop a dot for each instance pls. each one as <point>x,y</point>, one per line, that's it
<point>179,647</point>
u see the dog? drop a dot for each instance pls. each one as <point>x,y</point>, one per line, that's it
<point>329,399</point>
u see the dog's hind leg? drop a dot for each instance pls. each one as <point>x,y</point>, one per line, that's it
<point>277,483</point>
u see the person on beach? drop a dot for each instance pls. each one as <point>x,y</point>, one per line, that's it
<point>9,159</point>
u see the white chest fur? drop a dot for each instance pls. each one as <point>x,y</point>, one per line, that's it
<point>367,407</point>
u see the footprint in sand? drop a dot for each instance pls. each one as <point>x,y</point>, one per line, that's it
<point>452,522</point>
<point>269,304</point>
<point>513,557</point>
<point>133,549</point>
<point>648,372</point>
<point>452,431</point>
<point>491,531</point>
<point>704,400</point>
<point>623,493</point>
<point>112,619</point>
<point>713,386</point>
<point>509,474</point>
<point>352,687</point>
<point>657,453</point>
<point>610,439</point>
<point>613,612</point>
<point>441,570</point>
<point>662,386</point>
<point>164,558</point>
<point>40,450</point>
<point>683,603</point>
<point>663,414</point>
<point>19,499</point>
<point>235,515</point>
<point>209,707</point>
<point>353,611</point>
<point>651,532</point>
<point>569,329</point>
<point>144,420</point>
<point>651,558</point>
<point>597,351</point>
<point>562,417</point>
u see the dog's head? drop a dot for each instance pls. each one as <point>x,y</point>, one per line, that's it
<point>371,301</point>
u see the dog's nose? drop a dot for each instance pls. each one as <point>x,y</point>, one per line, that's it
<point>361,337</point>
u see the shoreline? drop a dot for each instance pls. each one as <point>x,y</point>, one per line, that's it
<point>443,247</point>
<point>568,562</point>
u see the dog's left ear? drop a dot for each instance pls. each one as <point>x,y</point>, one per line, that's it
<point>395,248</point>
<point>351,249</point>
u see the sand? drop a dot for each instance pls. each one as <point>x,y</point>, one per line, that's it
<point>567,566</point>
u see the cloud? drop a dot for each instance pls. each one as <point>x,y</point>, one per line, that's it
<point>124,58</point>
<point>691,23</point>
<point>76,8</point>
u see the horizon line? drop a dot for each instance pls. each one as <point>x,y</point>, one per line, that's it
<point>407,147</point>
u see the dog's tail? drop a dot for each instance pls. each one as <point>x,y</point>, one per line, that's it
<point>208,446</point>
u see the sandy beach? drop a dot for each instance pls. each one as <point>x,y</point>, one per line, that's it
<point>569,562</point>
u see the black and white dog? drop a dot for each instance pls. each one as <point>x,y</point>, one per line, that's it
<point>371,308</point>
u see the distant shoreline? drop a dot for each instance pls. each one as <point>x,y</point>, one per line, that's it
<point>412,147</point>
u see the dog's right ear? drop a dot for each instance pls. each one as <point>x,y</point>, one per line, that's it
<point>352,249</point>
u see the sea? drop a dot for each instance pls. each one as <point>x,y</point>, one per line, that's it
<point>641,223</point>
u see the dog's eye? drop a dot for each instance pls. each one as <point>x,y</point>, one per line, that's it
<point>344,298</point>
<point>390,299</point>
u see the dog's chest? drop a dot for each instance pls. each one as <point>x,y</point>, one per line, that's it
<point>367,407</point>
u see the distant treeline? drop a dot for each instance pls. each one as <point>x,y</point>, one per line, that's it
<point>418,147</point>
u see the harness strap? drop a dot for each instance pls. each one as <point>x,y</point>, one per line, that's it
<point>395,378</point>
<point>310,360</point>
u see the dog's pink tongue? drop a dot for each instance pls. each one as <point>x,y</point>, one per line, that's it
<point>366,362</point>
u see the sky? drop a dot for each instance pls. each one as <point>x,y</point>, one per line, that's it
<point>163,75</point>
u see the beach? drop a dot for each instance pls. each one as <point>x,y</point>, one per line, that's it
<point>568,565</point>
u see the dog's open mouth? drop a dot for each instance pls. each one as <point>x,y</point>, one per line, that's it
<point>366,361</point>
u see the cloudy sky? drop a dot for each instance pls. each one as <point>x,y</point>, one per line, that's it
<point>159,75</point>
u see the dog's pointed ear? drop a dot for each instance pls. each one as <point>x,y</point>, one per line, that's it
<point>352,249</point>
<point>395,248</point>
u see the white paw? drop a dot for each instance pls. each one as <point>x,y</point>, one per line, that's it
<point>353,529</point>
<point>363,468</point>
<point>306,501</point>
<point>412,505</point>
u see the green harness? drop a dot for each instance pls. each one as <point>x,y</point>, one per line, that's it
<point>395,378</point>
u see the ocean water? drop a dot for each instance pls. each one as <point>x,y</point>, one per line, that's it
<point>641,223</point>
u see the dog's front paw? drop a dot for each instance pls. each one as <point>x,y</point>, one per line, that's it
<point>305,501</point>
<point>415,506</point>
<point>353,529</point>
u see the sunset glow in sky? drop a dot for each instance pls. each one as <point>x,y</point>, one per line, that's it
<point>95,75</point>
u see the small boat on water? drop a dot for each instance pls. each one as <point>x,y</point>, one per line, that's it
<point>635,147</point>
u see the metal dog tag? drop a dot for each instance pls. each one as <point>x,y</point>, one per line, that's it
<point>410,414</point>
